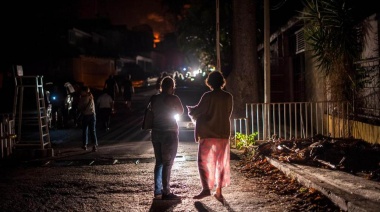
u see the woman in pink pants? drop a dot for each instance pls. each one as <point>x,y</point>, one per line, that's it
<point>212,132</point>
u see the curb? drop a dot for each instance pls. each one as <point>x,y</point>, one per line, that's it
<point>349,192</point>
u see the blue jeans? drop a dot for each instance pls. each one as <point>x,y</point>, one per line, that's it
<point>88,129</point>
<point>165,145</point>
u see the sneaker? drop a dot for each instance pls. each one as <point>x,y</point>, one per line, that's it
<point>170,196</point>
<point>84,147</point>
<point>94,149</point>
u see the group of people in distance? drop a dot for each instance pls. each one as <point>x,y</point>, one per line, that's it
<point>101,108</point>
<point>212,131</point>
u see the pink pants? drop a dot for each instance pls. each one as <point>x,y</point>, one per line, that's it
<point>214,162</point>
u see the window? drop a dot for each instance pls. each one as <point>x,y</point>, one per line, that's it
<point>300,41</point>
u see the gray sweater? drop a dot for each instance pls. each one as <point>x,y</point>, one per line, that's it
<point>212,115</point>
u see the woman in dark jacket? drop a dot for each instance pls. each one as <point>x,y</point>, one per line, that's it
<point>87,107</point>
<point>165,136</point>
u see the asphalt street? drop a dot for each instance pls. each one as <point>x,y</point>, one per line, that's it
<point>118,177</point>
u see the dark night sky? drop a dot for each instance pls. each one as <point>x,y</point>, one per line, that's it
<point>19,13</point>
<point>128,12</point>
<point>22,16</point>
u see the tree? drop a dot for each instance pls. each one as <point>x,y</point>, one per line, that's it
<point>243,79</point>
<point>335,39</point>
<point>196,35</point>
<point>197,28</point>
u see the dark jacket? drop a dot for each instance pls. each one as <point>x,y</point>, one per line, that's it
<point>86,104</point>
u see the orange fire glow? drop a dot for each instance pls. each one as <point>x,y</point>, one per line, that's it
<point>157,39</point>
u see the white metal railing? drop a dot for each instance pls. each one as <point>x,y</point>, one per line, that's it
<point>294,120</point>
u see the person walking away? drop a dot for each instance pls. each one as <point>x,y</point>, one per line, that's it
<point>128,91</point>
<point>165,136</point>
<point>212,132</point>
<point>86,106</point>
<point>111,85</point>
<point>104,104</point>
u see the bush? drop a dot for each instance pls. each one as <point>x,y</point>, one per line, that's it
<point>245,141</point>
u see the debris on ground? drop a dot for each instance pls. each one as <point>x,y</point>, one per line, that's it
<point>350,155</point>
<point>272,179</point>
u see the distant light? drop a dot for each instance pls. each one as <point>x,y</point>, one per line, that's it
<point>54,97</point>
<point>176,117</point>
<point>184,69</point>
<point>195,73</point>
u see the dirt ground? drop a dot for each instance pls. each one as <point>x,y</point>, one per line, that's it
<point>127,185</point>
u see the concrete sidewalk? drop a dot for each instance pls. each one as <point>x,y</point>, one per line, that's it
<point>349,192</point>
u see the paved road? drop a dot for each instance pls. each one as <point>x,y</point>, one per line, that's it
<point>119,177</point>
<point>125,126</point>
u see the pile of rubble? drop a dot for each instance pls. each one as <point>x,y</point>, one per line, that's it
<point>351,155</point>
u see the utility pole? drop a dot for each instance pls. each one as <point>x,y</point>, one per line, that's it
<point>217,38</point>
<point>266,129</point>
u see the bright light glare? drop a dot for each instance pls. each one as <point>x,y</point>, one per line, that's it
<point>176,117</point>
<point>196,72</point>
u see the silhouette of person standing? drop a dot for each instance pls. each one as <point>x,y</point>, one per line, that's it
<point>87,107</point>
<point>165,137</point>
<point>112,88</point>
<point>212,132</point>
<point>111,85</point>
<point>104,105</point>
<point>128,91</point>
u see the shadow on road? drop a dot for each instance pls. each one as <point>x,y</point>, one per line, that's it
<point>163,205</point>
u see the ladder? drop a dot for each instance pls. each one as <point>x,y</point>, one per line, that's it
<point>35,82</point>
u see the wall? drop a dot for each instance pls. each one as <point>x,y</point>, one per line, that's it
<point>92,71</point>
<point>359,130</point>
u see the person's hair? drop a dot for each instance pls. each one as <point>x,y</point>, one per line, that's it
<point>166,83</point>
<point>215,79</point>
